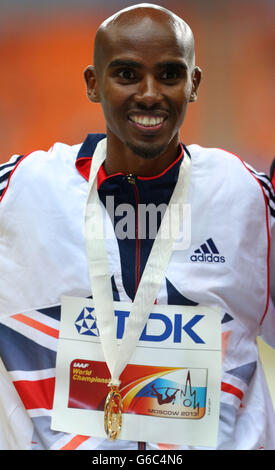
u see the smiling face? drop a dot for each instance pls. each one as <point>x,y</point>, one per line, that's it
<point>144,77</point>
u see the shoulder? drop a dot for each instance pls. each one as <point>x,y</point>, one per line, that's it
<point>217,162</point>
<point>223,165</point>
<point>28,165</point>
<point>220,159</point>
<point>6,170</point>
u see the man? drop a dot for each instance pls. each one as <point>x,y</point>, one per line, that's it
<point>144,76</point>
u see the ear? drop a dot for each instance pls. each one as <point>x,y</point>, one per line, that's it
<point>91,83</point>
<point>196,79</point>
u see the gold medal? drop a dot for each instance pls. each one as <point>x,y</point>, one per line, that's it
<point>113,413</point>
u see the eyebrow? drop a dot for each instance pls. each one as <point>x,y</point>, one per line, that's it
<point>124,63</point>
<point>175,63</point>
<point>133,63</point>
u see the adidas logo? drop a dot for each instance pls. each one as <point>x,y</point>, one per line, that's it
<point>208,252</point>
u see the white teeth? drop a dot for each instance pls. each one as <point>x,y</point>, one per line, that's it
<point>147,121</point>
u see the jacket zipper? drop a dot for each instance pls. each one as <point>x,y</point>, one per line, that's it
<point>132,180</point>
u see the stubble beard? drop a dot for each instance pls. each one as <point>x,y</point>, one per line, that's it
<point>146,152</point>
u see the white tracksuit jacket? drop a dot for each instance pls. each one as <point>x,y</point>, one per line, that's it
<point>230,263</point>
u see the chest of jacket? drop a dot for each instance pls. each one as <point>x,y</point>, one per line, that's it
<point>43,247</point>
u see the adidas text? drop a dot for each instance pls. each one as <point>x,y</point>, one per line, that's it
<point>207,258</point>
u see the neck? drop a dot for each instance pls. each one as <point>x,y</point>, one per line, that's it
<point>120,159</point>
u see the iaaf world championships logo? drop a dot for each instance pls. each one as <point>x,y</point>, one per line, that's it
<point>143,223</point>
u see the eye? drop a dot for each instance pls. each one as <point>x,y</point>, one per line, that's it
<point>126,74</point>
<point>171,74</point>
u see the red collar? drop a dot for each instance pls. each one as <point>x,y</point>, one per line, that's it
<point>83,165</point>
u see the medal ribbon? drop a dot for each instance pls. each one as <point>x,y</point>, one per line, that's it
<point>118,356</point>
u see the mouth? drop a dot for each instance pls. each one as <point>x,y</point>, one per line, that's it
<point>147,122</point>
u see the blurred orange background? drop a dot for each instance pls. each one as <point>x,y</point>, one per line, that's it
<point>45,46</point>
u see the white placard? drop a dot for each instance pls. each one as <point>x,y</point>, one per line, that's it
<point>170,388</point>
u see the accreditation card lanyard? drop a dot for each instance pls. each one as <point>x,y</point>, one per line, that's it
<point>118,356</point>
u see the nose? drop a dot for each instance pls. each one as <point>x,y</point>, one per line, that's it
<point>148,93</point>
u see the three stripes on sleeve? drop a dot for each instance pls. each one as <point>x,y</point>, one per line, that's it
<point>6,170</point>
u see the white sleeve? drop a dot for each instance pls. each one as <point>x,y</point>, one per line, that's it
<point>15,425</point>
<point>268,188</point>
<point>268,324</point>
<point>267,328</point>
